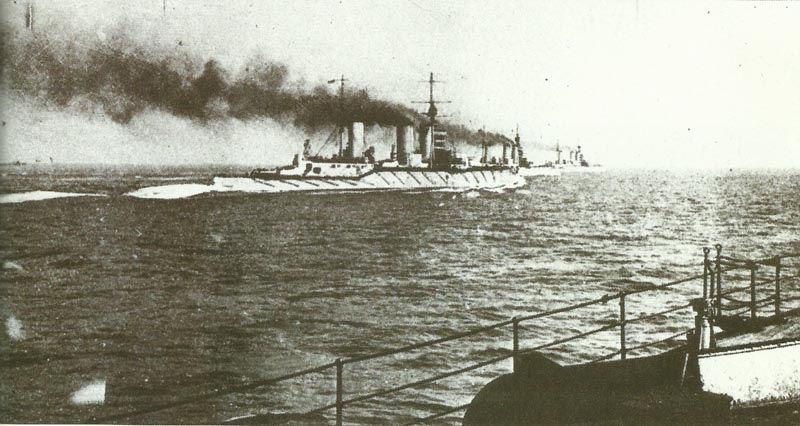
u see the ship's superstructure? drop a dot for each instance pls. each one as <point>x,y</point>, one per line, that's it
<point>422,158</point>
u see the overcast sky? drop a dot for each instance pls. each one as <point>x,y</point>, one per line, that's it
<point>636,83</point>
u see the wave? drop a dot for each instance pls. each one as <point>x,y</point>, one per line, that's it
<point>8,265</point>
<point>22,197</point>
<point>91,393</point>
<point>14,328</point>
<point>171,192</point>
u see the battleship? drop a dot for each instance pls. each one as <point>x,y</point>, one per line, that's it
<point>422,159</point>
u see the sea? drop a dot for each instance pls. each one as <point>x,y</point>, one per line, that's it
<point>113,303</point>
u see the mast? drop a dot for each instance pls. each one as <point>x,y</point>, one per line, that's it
<point>432,113</point>
<point>432,117</point>
<point>484,147</point>
<point>558,153</point>
<point>341,122</point>
<point>29,16</point>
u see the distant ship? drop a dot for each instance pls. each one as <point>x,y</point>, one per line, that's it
<point>431,164</point>
<point>528,169</point>
<point>575,164</point>
<point>15,163</point>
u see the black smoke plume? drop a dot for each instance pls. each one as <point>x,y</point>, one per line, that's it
<point>124,79</point>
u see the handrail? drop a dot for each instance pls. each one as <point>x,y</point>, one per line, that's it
<point>757,305</point>
<point>665,286</point>
<point>561,310</point>
<point>749,302</point>
<point>768,261</point>
<point>493,360</point>
<point>605,357</point>
<point>571,338</point>
<point>214,394</point>
<point>427,343</point>
<point>432,379</point>
<point>659,314</point>
<point>636,348</point>
<point>710,272</point>
<point>767,281</point>
<point>734,291</point>
<point>656,342</point>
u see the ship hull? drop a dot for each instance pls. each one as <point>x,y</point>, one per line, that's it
<point>394,180</point>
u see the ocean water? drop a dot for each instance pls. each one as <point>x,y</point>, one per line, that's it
<point>112,303</point>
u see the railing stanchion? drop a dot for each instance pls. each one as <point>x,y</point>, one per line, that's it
<point>777,286</point>
<point>515,347</point>
<point>622,350</point>
<point>706,268</point>
<point>339,392</point>
<point>752,267</point>
<point>712,288</point>
<point>718,273</point>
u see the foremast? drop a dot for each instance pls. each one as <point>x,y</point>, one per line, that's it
<point>437,139</point>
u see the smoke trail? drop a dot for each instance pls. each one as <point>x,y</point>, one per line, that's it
<point>478,138</point>
<point>124,79</point>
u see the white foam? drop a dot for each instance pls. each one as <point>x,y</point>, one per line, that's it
<point>498,190</point>
<point>450,189</point>
<point>471,194</point>
<point>21,197</point>
<point>14,328</point>
<point>171,192</point>
<point>12,265</point>
<point>92,393</point>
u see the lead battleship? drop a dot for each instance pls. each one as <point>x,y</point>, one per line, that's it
<point>432,163</point>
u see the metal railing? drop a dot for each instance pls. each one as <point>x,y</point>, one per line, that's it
<point>712,289</point>
<point>724,300</point>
